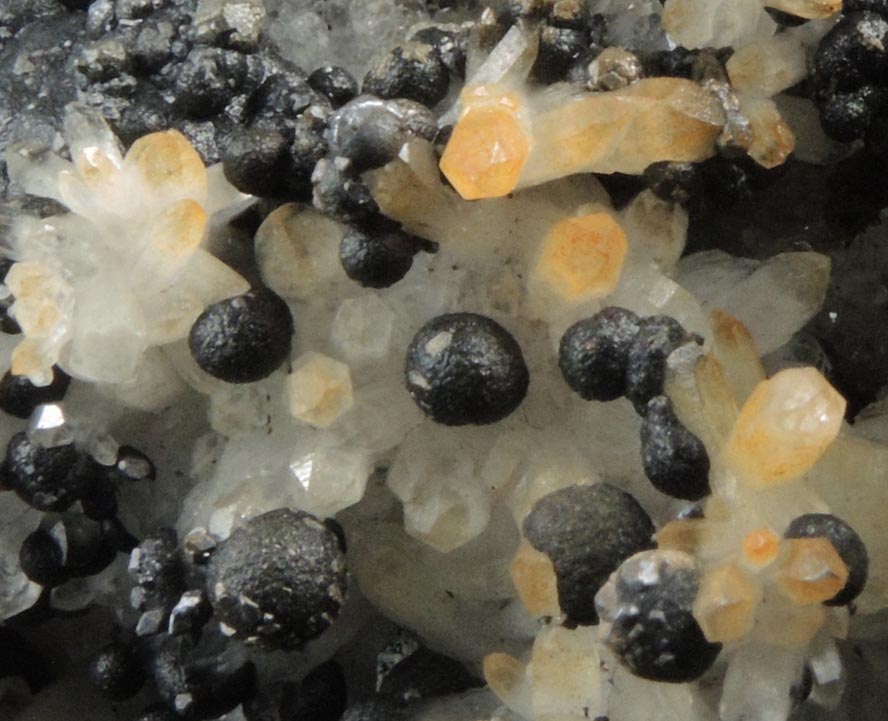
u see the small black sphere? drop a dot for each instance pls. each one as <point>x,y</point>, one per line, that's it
<point>207,80</point>
<point>243,339</point>
<point>88,551</point>
<point>376,256</point>
<point>853,52</point>
<point>19,397</point>
<point>255,160</point>
<point>594,352</point>
<point>42,559</point>
<point>134,465</point>
<point>337,84</point>
<point>674,459</point>
<point>117,672</point>
<point>848,545</point>
<point>657,337</point>
<point>413,70</point>
<point>425,674</point>
<point>280,579</point>
<point>451,45</point>
<point>464,368</point>
<point>49,479</point>
<point>587,531</point>
<point>321,696</point>
<point>847,116</point>
<point>647,620</point>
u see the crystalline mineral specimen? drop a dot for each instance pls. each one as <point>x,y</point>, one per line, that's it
<point>450,360</point>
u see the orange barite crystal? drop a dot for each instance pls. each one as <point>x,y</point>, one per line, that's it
<point>811,571</point>
<point>489,145</point>
<point>534,577</point>
<point>761,547</point>
<point>581,258</point>
<point>725,604</point>
<point>784,428</point>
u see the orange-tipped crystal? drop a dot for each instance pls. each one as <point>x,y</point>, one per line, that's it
<point>811,571</point>
<point>489,146</point>
<point>534,577</point>
<point>784,428</point>
<point>581,258</point>
<point>726,603</point>
<point>170,165</point>
<point>760,547</point>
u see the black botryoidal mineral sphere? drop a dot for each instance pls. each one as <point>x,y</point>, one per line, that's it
<point>116,671</point>
<point>243,339</point>
<point>594,352</point>
<point>464,368</point>
<point>586,531</point>
<point>675,460</point>
<point>280,579</point>
<point>49,479</point>
<point>647,620</point>
<point>19,397</point>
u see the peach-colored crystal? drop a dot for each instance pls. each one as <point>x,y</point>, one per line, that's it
<point>726,603</point>
<point>320,389</point>
<point>489,145</point>
<point>169,164</point>
<point>760,547</point>
<point>581,258</point>
<point>785,426</point>
<point>534,577</point>
<point>811,571</point>
<point>625,130</point>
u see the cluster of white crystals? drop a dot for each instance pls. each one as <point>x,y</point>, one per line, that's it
<point>109,290</point>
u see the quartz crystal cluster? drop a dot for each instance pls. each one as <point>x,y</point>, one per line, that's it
<point>443,361</point>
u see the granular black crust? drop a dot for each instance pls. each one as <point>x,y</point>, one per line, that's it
<point>854,52</point>
<point>49,479</point>
<point>464,368</point>
<point>19,397</point>
<point>243,339</point>
<point>587,531</point>
<point>848,545</point>
<point>281,579</point>
<point>649,623</point>
<point>658,336</point>
<point>413,70</point>
<point>594,352</point>
<point>675,460</point>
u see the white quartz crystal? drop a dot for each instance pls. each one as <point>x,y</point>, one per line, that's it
<point>17,520</point>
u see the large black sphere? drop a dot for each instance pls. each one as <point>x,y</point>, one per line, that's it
<point>464,368</point>
<point>243,339</point>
